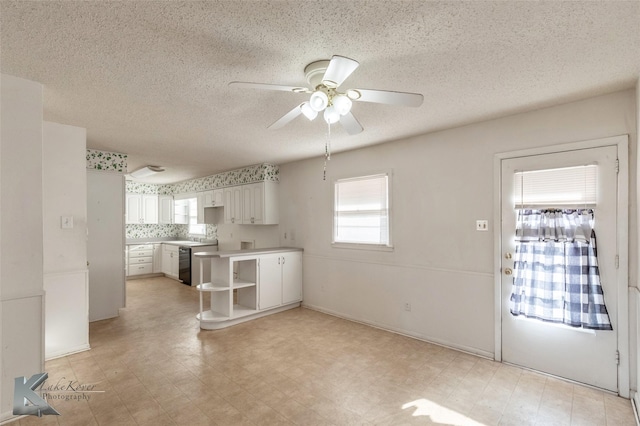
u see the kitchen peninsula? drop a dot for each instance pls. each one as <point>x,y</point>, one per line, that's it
<point>248,284</point>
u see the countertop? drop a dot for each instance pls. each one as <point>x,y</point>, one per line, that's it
<point>172,242</point>
<point>246,252</point>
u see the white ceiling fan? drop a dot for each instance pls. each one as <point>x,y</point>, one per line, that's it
<point>324,78</point>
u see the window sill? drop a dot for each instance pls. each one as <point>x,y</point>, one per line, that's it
<point>356,246</point>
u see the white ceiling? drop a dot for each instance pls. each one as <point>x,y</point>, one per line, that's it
<point>150,78</point>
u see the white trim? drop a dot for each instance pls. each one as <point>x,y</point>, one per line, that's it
<point>417,336</point>
<point>622,144</point>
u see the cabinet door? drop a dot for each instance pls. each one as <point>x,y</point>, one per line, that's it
<point>257,203</point>
<point>228,204</point>
<point>165,214</point>
<point>247,204</point>
<point>157,256</point>
<point>175,264</point>
<point>218,198</point>
<point>166,260</point>
<point>237,204</point>
<point>208,199</point>
<point>150,209</point>
<point>270,282</point>
<point>133,208</point>
<point>291,277</point>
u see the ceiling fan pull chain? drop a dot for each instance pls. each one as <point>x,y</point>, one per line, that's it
<point>327,151</point>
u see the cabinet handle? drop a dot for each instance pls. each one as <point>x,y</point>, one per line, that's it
<point>283,260</point>
<point>233,219</point>
<point>279,260</point>
<point>252,220</point>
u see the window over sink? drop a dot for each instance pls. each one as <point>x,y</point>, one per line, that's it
<point>194,227</point>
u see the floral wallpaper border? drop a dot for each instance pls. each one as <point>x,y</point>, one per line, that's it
<point>107,161</point>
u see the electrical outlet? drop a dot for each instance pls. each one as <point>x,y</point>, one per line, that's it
<point>482,225</point>
<point>407,306</point>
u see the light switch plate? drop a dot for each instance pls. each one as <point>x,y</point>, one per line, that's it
<point>66,222</point>
<point>482,225</point>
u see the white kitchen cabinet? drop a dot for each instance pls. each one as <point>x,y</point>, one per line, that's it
<point>157,258</point>
<point>265,281</point>
<point>212,198</point>
<point>233,204</point>
<point>260,203</point>
<point>170,260</point>
<point>140,259</point>
<point>252,204</point>
<point>207,199</point>
<point>165,209</point>
<point>280,279</point>
<point>141,209</point>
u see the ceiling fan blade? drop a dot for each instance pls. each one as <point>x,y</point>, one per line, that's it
<point>264,86</point>
<point>285,119</point>
<point>338,70</point>
<point>390,98</point>
<point>350,124</point>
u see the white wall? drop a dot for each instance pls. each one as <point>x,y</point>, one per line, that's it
<point>65,249</point>
<point>21,241</point>
<point>442,183</point>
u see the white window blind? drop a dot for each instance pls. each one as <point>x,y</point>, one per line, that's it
<point>562,187</point>
<point>361,210</point>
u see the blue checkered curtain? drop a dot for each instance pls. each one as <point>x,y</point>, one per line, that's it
<point>556,275</point>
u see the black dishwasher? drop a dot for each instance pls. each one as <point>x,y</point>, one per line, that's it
<point>184,264</point>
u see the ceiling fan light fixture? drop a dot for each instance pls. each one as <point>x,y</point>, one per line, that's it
<point>308,112</point>
<point>319,100</point>
<point>331,115</point>
<point>342,104</point>
<point>353,94</point>
<point>146,171</point>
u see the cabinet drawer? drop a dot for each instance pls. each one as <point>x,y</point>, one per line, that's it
<point>140,260</point>
<point>134,247</point>
<point>140,253</point>
<point>146,268</point>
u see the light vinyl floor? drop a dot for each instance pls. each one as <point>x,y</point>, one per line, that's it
<point>154,366</point>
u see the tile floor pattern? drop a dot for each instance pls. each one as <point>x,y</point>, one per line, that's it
<point>300,367</point>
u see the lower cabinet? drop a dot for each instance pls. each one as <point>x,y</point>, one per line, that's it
<point>157,258</point>
<point>280,279</point>
<point>140,259</point>
<point>248,286</point>
<point>170,260</point>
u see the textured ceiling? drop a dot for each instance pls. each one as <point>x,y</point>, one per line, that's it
<point>150,78</point>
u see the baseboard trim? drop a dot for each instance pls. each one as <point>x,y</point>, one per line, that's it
<point>77,349</point>
<point>417,336</point>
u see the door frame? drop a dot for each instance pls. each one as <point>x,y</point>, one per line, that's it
<point>622,143</point>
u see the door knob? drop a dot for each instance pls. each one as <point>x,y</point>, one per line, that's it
<point>508,271</point>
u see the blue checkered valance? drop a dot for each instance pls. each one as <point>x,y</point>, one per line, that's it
<point>556,276</point>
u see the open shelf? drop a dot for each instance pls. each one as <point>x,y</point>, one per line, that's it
<point>242,311</point>
<point>239,283</point>
<point>215,286</point>
<point>211,316</point>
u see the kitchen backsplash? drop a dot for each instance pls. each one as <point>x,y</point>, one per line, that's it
<point>163,231</point>
<point>108,161</point>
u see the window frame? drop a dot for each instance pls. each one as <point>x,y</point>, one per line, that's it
<point>362,245</point>
<point>190,224</point>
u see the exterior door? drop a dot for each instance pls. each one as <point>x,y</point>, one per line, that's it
<point>585,356</point>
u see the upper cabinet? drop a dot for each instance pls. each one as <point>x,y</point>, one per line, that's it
<point>141,209</point>
<point>166,209</point>
<point>211,198</point>
<point>233,204</point>
<point>252,204</point>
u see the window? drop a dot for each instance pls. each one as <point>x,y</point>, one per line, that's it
<point>194,227</point>
<point>361,211</point>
